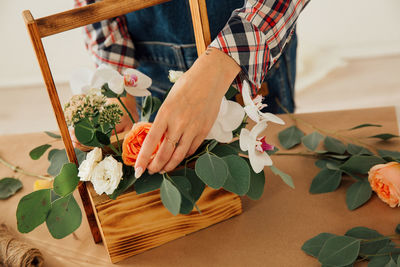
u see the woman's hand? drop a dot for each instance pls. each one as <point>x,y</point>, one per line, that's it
<point>188,113</point>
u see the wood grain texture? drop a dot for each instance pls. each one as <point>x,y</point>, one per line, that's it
<point>89,14</point>
<point>201,25</point>
<point>58,111</point>
<point>133,223</point>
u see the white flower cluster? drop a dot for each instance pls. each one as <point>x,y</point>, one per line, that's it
<point>105,174</point>
<point>230,117</point>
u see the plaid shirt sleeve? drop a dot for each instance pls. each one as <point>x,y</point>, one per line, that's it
<point>255,36</point>
<point>108,41</point>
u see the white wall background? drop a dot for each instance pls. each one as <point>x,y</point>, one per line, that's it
<point>329,32</point>
<point>18,65</point>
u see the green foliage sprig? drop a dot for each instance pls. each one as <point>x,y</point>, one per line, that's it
<point>338,160</point>
<point>356,245</point>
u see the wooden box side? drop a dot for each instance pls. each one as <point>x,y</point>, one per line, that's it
<point>133,223</point>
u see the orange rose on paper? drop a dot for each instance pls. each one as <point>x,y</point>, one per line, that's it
<point>385,181</point>
<point>133,142</point>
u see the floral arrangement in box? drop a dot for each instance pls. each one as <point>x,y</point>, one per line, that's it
<point>232,157</point>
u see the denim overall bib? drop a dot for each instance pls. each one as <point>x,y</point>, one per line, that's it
<point>164,40</point>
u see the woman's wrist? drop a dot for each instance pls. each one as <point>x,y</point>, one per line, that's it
<point>215,62</point>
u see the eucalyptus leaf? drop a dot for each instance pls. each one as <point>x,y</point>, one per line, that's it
<point>37,152</point>
<point>358,194</point>
<point>339,251</point>
<point>52,152</point>
<point>212,170</point>
<point>170,197</point>
<point>257,183</point>
<point>334,145</point>
<point>223,150</point>
<point>358,150</point>
<point>184,187</point>
<point>326,181</point>
<point>384,137</point>
<point>313,246</point>
<point>238,180</point>
<point>312,140</point>
<point>371,240</point>
<point>290,137</point>
<point>389,153</point>
<point>64,217</point>
<point>340,157</point>
<point>147,183</point>
<point>365,125</point>
<point>53,135</point>
<point>321,163</point>
<point>197,185</point>
<point>286,178</point>
<point>102,138</point>
<point>59,158</point>
<point>67,180</point>
<point>9,186</point>
<point>361,164</point>
<point>84,131</point>
<point>32,210</point>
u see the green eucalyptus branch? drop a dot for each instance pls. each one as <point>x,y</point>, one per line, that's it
<point>324,131</point>
<point>22,171</point>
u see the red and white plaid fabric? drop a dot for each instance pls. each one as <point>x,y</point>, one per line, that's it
<point>254,37</point>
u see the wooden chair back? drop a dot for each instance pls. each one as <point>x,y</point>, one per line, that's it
<point>78,17</point>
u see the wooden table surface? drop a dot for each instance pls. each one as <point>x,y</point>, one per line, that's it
<point>270,232</point>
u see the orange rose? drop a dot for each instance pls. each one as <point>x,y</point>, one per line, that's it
<point>133,142</point>
<point>385,181</point>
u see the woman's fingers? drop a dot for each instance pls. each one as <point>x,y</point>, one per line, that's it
<point>164,153</point>
<point>179,152</point>
<point>195,145</point>
<point>149,145</point>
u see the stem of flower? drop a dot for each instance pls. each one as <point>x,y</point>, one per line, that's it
<point>126,109</point>
<point>18,169</point>
<point>113,149</point>
<point>119,144</point>
<point>305,154</point>
<point>323,131</point>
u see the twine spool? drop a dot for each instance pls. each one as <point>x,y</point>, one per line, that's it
<point>16,253</point>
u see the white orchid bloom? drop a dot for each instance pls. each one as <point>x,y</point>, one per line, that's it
<point>254,106</point>
<point>229,118</point>
<point>133,81</point>
<point>174,75</point>
<point>256,146</point>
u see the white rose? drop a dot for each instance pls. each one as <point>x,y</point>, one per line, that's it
<point>174,75</point>
<point>87,166</point>
<point>106,176</point>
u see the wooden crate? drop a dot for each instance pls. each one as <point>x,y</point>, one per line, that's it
<point>132,223</point>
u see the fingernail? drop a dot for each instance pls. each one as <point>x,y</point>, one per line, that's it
<point>138,172</point>
<point>162,172</point>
